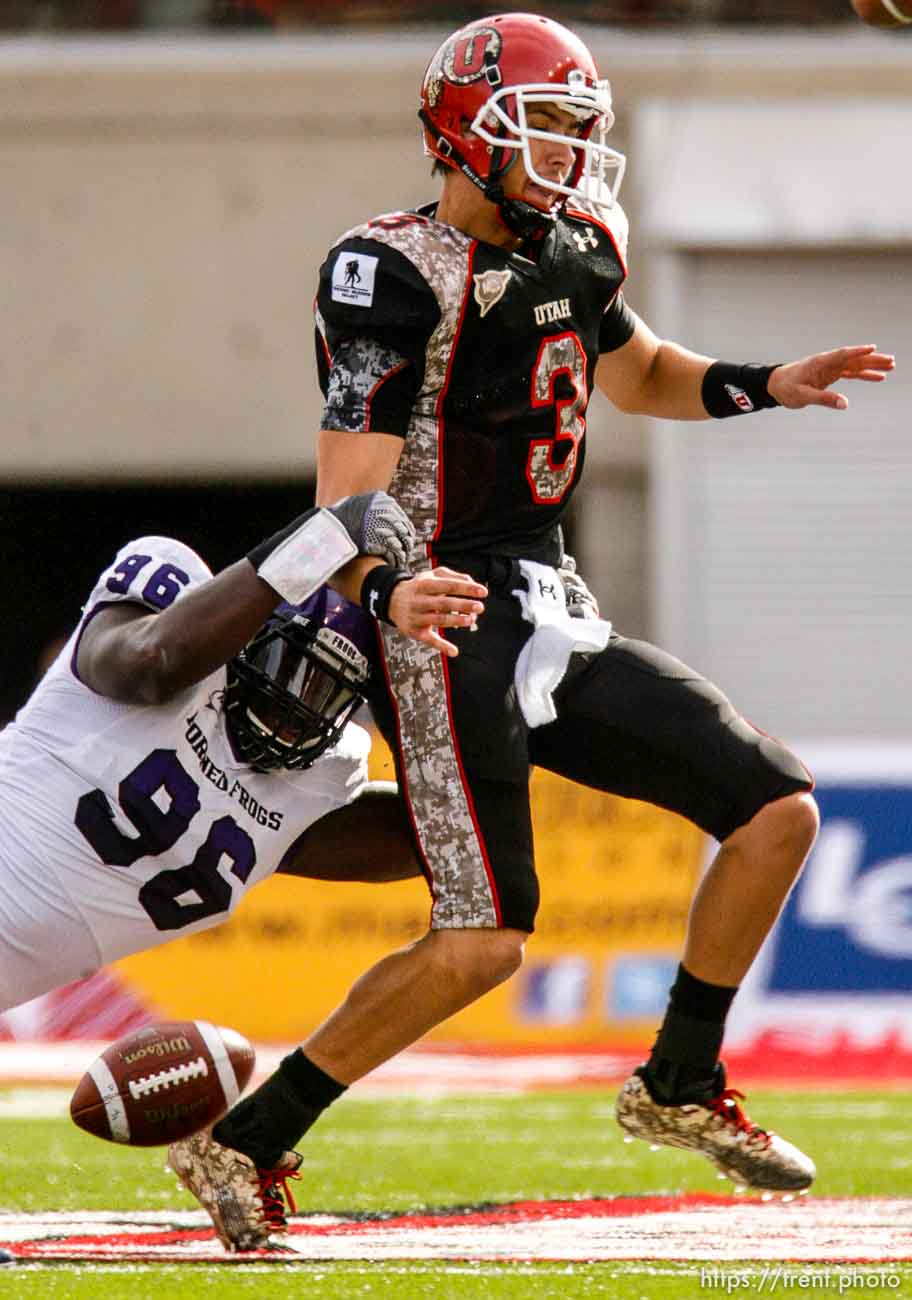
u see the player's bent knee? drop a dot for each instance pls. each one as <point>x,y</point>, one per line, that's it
<point>480,959</point>
<point>801,818</point>
<point>507,955</point>
<point>788,825</point>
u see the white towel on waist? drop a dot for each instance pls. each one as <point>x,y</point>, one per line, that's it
<point>544,658</point>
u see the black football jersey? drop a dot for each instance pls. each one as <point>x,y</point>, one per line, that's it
<point>482,359</point>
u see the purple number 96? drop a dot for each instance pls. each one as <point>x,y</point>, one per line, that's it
<point>161,588</point>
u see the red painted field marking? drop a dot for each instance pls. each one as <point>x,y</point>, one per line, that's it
<point>682,1228</point>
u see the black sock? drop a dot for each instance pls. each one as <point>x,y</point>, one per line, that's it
<point>275,1117</point>
<point>684,1064</point>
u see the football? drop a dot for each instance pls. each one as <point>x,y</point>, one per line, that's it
<point>162,1083</point>
<point>884,13</point>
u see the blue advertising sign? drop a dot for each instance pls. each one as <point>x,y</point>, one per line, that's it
<point>840,956</point>
<point>637,986</point>
<point>847,927</point>
<point>555,992</point>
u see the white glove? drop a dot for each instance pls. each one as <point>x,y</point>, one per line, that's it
<point>580,601</point>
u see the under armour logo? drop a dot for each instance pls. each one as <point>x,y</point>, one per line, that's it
<point>547,589</point>
<point>585,241</point>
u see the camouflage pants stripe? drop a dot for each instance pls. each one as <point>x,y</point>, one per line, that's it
<point>434,785</point>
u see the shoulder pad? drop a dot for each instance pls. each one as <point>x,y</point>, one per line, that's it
<point>151,571</point>
<point>380,227</point>
<point>171,549</point>
<point>613,222</point>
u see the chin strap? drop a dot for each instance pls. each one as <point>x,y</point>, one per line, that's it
<point>524,219</point>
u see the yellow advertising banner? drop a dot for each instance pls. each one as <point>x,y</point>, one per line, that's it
<point>616,882</point>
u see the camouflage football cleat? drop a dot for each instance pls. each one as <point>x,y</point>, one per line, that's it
<point>718,1129</point>
<point>246,1204</point>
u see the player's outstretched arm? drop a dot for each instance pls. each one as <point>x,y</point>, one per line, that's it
<point>128,653</point>
<point>131,654</point>
<point>368,840</point>
<point>653,376</point>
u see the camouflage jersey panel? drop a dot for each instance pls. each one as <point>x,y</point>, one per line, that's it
<point>496,442</point>
<point>448,838</point>
<point>442,255</point>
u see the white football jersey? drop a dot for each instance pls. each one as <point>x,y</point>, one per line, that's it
<point>123,825</point>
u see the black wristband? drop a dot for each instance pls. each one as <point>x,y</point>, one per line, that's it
<point>736,390</point>
<point>377,588</point>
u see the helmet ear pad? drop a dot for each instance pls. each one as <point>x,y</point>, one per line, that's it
<point>291,691</point>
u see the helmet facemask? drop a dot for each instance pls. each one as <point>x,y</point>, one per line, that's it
<point>291,692</point>
<point>597,172</point>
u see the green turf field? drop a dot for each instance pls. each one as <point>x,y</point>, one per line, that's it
<point>404,1155</point>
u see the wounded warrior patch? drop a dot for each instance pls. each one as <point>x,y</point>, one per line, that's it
<point>353,279</point>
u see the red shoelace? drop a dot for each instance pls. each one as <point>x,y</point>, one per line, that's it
<point>727,1108</point>
<point>273,1187</point>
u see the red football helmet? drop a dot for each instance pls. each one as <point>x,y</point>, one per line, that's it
<point>478,90</point>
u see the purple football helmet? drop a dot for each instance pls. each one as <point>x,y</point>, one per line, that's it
<point>293,688</point>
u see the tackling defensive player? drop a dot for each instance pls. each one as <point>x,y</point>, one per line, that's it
<point>458,345</point>
<point>161,769</point>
